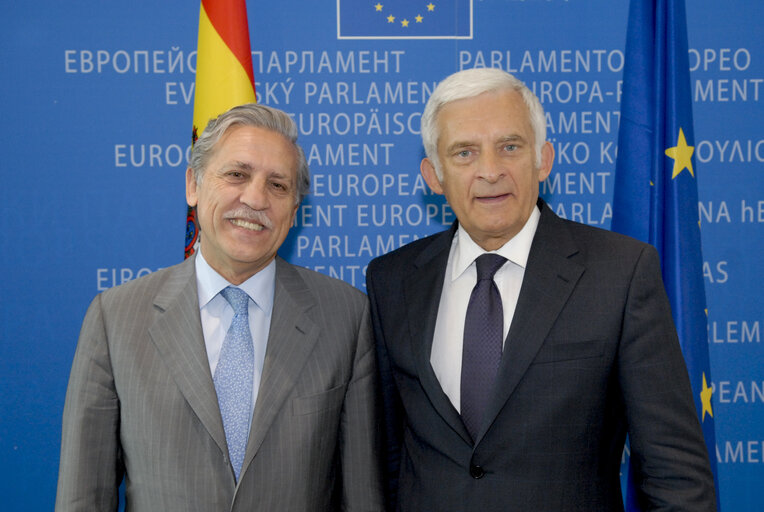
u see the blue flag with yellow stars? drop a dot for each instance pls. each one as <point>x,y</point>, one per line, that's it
<point>656,193</point>
<point>404,19</point>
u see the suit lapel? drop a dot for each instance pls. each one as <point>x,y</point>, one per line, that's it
<point>422,295</point>
<point>290,341</point>
<point>177,334</point>
<point>550,277</point>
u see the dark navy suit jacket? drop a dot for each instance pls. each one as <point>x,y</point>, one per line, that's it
<point>591,354</point>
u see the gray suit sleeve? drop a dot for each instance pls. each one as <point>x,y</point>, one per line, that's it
<point>673,471</point>
<point>91,466</point>
<point>359,438</point>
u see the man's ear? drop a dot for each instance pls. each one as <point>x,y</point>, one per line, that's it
<point>191,197</point>
<point>294,214</point>
<point>547,160</point>
<point>430,177</point>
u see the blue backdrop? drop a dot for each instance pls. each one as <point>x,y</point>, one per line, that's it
<point>96,101</point>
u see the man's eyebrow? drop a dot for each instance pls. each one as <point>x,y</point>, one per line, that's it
<point>512,138</point>
<point>467,143</point>
<point>459,144</point>
<point>279,175</point>
<point>236,164</point>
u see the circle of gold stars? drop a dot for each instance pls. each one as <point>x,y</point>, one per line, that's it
<point>379,7</point>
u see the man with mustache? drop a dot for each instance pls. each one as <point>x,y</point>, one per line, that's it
<point>517,349</point>
<point>234,380</point>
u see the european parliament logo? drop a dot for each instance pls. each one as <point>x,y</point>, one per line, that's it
<point>404,19</point>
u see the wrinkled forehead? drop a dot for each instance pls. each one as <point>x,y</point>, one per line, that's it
<point>258,139</point>
<point>503,110</point>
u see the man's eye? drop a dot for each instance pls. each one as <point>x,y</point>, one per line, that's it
<point>464,153</point>
<point>510,147</point>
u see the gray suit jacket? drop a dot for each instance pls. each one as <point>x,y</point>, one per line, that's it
<point>591,354</point>
<point>141,403</point>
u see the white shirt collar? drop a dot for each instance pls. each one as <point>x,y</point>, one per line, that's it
<point>515,250</point>
<point>260,287</point>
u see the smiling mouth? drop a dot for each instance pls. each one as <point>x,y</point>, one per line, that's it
<point>247,225</point>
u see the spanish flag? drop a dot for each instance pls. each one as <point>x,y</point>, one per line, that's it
<point>224,76</point>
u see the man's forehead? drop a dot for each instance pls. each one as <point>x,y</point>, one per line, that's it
<point>507,96</point>
<point>460,117</point>
<point>230,155</point>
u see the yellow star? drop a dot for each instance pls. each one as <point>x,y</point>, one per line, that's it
<point>390,19</point>
<point>705,399</point>
<point>430,7</point>
<point>419,18</point>
<point>378,7</point>
<point>681,153</point>
<point>405,23</point>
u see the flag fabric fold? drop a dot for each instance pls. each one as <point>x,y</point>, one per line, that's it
<point>656,195</point>
<point>224,76</point>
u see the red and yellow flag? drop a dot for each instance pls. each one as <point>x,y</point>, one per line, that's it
<point>224,76</point>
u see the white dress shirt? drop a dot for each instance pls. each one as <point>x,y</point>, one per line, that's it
<point>459,280</point>
<point>217,314</point>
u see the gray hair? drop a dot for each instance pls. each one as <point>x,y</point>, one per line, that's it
<point>470,83</point>
<point>258,116</point>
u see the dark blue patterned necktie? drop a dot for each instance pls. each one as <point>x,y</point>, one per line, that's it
<point>482,348</point>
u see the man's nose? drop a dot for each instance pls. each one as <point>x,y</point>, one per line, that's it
<point>255,194</point>
<point>490,167</point>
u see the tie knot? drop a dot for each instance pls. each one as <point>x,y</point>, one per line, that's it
<point>237,298</point>
<point>488,264</point>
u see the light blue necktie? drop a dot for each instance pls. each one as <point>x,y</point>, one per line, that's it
<point>233,377</point>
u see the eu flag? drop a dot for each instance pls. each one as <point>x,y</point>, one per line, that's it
<point>404,19</point>
<point>656,194</point>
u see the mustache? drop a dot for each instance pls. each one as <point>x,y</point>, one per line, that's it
<point>249,215</point>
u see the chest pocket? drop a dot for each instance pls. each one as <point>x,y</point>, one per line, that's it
<point>324,401</point>
<point>554,351</point>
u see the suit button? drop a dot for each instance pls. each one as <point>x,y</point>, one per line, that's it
<point>476,472</point>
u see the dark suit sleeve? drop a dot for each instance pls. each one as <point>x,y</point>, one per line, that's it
<point>392,420</point>
<point>359,443</point>
<point>91,466</point>
<point>666,440</point>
